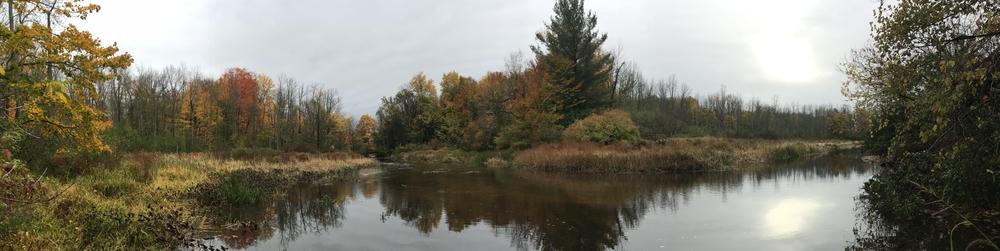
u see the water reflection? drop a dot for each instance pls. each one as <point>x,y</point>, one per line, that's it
<point>531,210</point>
<point>789,217</point>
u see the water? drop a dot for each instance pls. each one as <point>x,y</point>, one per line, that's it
<point>804,206</point>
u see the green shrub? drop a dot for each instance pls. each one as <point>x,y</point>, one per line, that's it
<point>612,126</point>
<point>532,129</point>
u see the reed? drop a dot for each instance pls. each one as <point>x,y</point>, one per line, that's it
<point>672,155</point>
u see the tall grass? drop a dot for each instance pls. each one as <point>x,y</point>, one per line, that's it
<point>236,190</point>
<point>589,157</point>
<point>144,202</point>
<point>672,155</point>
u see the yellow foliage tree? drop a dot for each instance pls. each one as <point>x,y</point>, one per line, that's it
<point>364,134</point>
<point>48,80</point>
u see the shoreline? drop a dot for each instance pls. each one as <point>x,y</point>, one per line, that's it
<point>675,155</point>
<point>157,200</point>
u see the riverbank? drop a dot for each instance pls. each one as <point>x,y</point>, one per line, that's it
<point>663,156</point>
<point>673,155</point>
<point>148,200</point>
<point>444,157</point>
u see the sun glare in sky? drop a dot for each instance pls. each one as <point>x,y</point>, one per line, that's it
<point>780,44</point>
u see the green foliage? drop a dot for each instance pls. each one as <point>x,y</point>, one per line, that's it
<point>612,126</point>
<point>530,129</point>
<point>930,80</point>
<point>237,190</point>
<point>412,116</point>
<point>577,69</point>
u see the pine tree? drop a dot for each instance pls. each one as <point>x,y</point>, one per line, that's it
<point>577,69</point>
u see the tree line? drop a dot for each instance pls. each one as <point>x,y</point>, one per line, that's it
<point>571,77</point>
<point>178,109</point>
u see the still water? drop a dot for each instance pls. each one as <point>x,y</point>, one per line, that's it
<point>801,206</point>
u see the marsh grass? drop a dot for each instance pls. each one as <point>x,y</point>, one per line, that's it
<point>443,157</point>
<point>238,191</point>
<point>790,152</point>
<point>144,202</point>
<point>671,155</point>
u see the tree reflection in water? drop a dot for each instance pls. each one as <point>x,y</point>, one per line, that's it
<point>534,210</point>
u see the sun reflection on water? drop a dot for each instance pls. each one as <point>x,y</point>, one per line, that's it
<point>789,217</point>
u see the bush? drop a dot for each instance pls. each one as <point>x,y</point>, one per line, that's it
<point>789,152</point>
<point>531,129</point>
<point>612,126</point>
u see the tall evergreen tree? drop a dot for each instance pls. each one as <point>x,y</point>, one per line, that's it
<point>577,69</point>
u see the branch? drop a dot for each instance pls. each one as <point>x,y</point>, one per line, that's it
<point>47,121</point>
<point>967,37</point>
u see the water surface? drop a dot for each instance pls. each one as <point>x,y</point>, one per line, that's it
<point>803,206</point>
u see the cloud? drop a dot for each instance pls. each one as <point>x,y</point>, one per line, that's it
<point>368,49</point>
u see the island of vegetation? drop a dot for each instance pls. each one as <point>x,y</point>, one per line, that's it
<point>97,155</point>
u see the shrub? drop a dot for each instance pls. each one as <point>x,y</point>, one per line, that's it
<point>612,126</point>
<point>531,129</point>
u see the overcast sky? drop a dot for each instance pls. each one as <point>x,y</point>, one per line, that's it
<point>789,49</point>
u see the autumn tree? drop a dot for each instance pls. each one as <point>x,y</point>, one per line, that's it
<point>412,116</point>
<point>238,91</point>
<point>577,69</point>
<point>531,123</point>
<point>364,134</point>
<point>199,115</point>
<point>457,107</point>
<point>48,80</point>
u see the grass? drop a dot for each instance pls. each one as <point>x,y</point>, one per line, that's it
<point>672,155</point>
<point>239,191</point>
<point>148,201</point>
<point>450,157</point>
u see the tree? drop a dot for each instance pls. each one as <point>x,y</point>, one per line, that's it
<point>577,69</point>
<point>199,114</point>
<point>49,75</point>
<point>364,134</point>
<point>457,107</point>
<point>931,80</point>
<point>410,117</point>
<point>239,93</point>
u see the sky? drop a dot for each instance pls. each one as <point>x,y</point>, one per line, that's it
<point>789,50</point>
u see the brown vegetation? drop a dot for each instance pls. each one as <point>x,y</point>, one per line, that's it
<point>672,155</point>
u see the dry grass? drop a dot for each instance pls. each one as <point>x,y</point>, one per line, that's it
<point>144,203</point>
<point>673,155</point>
